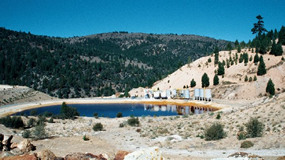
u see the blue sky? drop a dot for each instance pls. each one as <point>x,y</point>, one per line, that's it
<point>220,19</point>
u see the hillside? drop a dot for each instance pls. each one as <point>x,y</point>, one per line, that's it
<point>233,85</point>
<point>95,65</point>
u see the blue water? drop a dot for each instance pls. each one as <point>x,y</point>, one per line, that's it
<point>111,110</point>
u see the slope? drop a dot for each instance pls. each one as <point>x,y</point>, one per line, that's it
<point>96,65</point>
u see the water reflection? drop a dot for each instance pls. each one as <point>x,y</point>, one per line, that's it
<point>180,110</point>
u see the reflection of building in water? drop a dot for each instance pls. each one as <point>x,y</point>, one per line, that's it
<point>181,110</point>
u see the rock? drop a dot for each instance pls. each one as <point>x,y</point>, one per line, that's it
<point>84,156</point>
<point>145,154</point>
<point>14,145</point>
<point>46,155</point>
<point>26,146</point>
<point>120,155</point>
<point>7,143</point>
<point>22,157</point>
<point>245,155</point>
<point>5,154</point>
<point>281,158</point>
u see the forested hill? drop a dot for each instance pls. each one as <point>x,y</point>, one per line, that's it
<point>95,65</point>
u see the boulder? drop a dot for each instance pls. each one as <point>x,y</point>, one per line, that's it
<point>22,157</point>
<point>120,155</point>
<point>46,155</point>
<point>145,154</point>
<point>84,156</point>
<point>26,146</point>
<point>7,142</point>
<point>281,158</point>
<point>245,156</point>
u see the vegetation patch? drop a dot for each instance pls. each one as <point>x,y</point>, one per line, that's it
<point>98,127</point>
<point>215,132</point>
<point>246,144</point>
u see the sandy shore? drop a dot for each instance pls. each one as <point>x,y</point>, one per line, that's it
<point>14,108</point>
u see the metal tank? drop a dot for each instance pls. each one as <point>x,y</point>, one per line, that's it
<point>201,94</point>
<point>196,94</point>
<point>174,93</point>
<point>186,94</point>
<point>163,95</point>
<point>168,94</point>
<point>156,95</point>
<point>208,95</point>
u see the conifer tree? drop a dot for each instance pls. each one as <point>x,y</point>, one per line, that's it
<point>205,80</point>
<point>281,36</point>
<point>256,58</point>
<point>221,69</point>
<point>216,51</point>
<point>261,67</point>
<point>192,83</point>
<point>270,87</point>
<point>239,49</point>
<point>259,26</point>
<point>216,80</point>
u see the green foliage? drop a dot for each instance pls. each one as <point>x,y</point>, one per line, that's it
<point>26,134</point>
<point>281,36</point>
<point>259,26</point>
<point>256,58</point>
<point>39,132</point>
<point>68,112</point>
<point>121,125</point>
<point>92,66</point>
<point>216,80</point>
<point>261,70</point>
<point>209,60</point>
<point>221,69</point>
<point>98,127</point>
<point>276,49</point>
<point>250,79</point>
<point>119,114</point>
<point>215,132</point>
<point>50,120</point>
<point>132,121</point>
<point>216,51</point>
<point>246,144</point>
<point>270,87</point>
<point>95,115</point>
<point>12,122</point>
<point>205,80</point>
<point>218,116</point>
<point>239,49</point>
<point>242,135</point>
<point>85,138</point>
<point>193,83</point>
<point>254,128</point>
<point>255,78</point>
<point>245,57</point>
<point>31,122</point>
<point>229,46</point>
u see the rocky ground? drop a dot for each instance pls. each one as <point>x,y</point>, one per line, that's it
<point>177,137</point>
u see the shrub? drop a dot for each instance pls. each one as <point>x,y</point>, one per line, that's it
<point>31,122</point>
<point>26,134</point>
<point>12,122</point>
<point>254,128</point>
<point>246,144</point>
<point>98,127</point>
<point>39,132</point>
<point>121,125</point>
<point>41,120</point>
<point>85,138</point>
<point>215,132</point>
<point>95,115</point>
<point>50,120</point>
<point>241,135</point>
<point>119,114</point>
<point>133,121</point>
<point>218,116</point>
<point>68,112</point>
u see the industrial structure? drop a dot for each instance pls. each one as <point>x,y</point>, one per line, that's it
<point>200,94</point>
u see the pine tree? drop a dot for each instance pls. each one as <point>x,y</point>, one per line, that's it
<point>273,48</point>
<point>246,78</point>
<point>192,83</point>
<point>245,57</point>
<point>259,26</point>
<point>205,80</point>
<point>221,69</point>
<point>270,87</point>
<point>281,36</point>
<point>279,50</point>
<point>216,80</point>
<point>256,58</point>
<point>239,49</point>
<point>261,67</point>
<point>216,51</point>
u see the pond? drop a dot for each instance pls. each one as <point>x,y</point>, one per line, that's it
<point>111,110</point>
